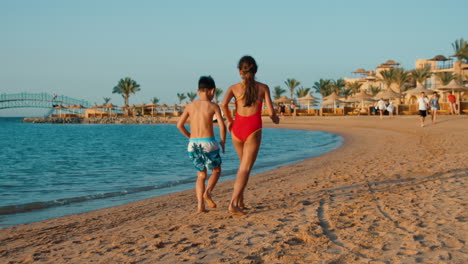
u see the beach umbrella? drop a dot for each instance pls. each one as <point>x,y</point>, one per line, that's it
<point>419,89</point>
<point>360,70</point>
<point>362,96</point>
<point>387,94</point>
<point>110,107</point>
<point>283,99</point>
<point>453,86</point>
<point>331,101</point>
<point>308,99</point>
<point>332,96</point>
<point>152,106</point>
<point>390,62</point>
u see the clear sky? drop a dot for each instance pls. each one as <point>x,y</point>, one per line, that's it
<point>82,48</point>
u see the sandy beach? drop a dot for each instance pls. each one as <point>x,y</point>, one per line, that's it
<point>393,193</point>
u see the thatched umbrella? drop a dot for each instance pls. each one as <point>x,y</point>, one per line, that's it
<point>360,71</point>
<point>331,101</point>
<point>362,96</point>
<point>152,106</point>
<point>387,94</point>
<point>454,87</point>
<point>332,96</point>
<point>384,66</point>
<point>308,99</point>
<point>110,107</point>
<point>419,89</point>
<point>391,63</point>
<point>283,99</point>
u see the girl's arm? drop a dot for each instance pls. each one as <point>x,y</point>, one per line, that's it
<point>269,104</point>
<point>225,106</point>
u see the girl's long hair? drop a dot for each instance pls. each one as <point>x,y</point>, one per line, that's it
<point>248,66</point>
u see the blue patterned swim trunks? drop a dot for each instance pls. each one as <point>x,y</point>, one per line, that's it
<point>204,153</point>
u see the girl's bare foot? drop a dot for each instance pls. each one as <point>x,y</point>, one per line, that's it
<point>236,210</point>
<point>209,201</point>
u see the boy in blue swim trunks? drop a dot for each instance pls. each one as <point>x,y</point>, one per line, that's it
<point>203,150</point>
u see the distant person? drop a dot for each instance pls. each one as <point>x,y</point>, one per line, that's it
<point>282,109</point>
<point>246,127</point>
<point>293,110</point>
<point>452,103</point>
<point>434,104</point>
<point>203,149</point>
<point>390,109</point>
<point>423,105</point>
<point>380,106</point>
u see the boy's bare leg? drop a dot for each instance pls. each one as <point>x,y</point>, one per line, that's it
<point>211,184</point>
<point>200,189</point>
<point>249,151</point>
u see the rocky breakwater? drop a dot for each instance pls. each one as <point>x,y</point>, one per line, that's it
<point>125,120</point>
<point>108,120</point>
<point>53,120</point>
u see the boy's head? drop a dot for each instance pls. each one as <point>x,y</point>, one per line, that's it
<point>206,83</point>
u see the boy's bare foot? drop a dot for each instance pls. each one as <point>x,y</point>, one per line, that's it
<point>209,201</point>
<point>200,211</point>
<point>236,210</point>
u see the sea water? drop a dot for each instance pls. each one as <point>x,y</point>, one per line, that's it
<point>52,170</point>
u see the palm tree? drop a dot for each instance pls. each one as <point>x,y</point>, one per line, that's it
<point>291,84</point>
<point>400,77</point>
<point>460,47</point>
<point>353,87</point>
<point>191,96</point>
<point>387,77</point>
<point>155,100</point>
<point>301,92</point>
<point>445,77</point>
<point>106,100</point>
<point>217,94</point>
<point>277,92</point>
<point>323,87</point>
<point>125,87</point>
<point>420,75</point>
<point>181,97</point>
<point>337,86</point>
<point>374,90</point>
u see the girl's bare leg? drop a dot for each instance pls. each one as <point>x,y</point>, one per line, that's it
<point>200,190</point>
<point>216,172</point>
<point>434,114</point>
<point>247,152</point>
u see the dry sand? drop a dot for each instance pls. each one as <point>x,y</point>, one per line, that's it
<point>393,193</point>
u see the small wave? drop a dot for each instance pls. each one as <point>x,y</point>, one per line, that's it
<point>28,207</point>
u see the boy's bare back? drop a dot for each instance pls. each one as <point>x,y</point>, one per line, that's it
<point>200,116</point>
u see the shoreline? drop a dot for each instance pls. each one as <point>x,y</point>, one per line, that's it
<point>379,197</point>
<point>106,120</point>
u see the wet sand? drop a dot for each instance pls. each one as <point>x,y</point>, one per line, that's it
<point>393,193</point>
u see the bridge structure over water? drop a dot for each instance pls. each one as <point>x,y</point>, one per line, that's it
<point>38,100</point>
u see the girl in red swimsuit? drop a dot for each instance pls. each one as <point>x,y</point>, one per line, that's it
<point>246,127</point>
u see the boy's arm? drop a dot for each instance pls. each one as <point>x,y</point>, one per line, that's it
<point>181,123</point>
<point>222,127</point>
<point>225,106</point>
